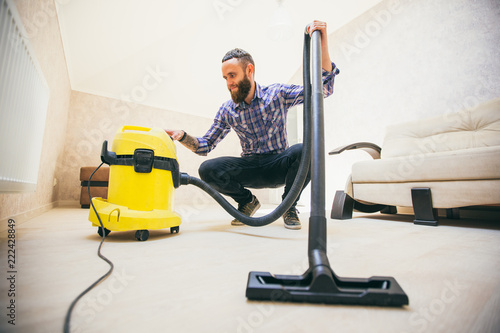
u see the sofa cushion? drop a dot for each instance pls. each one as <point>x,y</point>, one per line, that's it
<point>465,164</point>
<point>475,128</point>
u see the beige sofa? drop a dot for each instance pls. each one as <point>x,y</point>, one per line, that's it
<point>449,161</point>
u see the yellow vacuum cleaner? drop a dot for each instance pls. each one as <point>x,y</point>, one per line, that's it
<point>143,174</point>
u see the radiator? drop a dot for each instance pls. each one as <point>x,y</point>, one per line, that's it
<point>24,97</point>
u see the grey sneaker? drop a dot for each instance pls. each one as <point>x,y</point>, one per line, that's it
<point>292,219</point>
<point>248,209</point>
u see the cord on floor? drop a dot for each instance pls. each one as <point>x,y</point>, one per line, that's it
<point>68,314</point>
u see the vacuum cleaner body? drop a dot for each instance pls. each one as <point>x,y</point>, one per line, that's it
<point>143,174</point>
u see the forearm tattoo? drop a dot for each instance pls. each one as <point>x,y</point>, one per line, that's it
<point>190,142</point>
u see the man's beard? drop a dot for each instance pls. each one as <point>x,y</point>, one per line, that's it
<point>241,93</point>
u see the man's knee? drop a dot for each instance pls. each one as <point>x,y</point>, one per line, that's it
<point>295,159</point>
<point>207,171</point>
<point>296,152</point>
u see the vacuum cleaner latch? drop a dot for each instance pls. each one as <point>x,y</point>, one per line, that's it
<point>143,160</point>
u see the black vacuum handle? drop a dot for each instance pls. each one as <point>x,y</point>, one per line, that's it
<point>107,157</point>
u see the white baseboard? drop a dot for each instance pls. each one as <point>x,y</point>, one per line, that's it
<point>68,203</point>
<point>27,215</point>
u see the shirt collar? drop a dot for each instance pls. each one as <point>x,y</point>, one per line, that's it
<point>258,91</point>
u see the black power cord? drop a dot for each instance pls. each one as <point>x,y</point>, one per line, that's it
<point>68,314</point>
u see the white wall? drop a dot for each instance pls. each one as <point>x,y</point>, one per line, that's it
<point>93,119</point>
<point>404,60</point>
<point>42,28</point>
<point>400,61</point>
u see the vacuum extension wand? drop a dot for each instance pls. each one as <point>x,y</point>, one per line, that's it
<point>319,284</point>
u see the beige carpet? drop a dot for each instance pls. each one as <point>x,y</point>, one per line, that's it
<point>195,281</point>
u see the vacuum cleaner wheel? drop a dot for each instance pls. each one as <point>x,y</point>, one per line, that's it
<point>142,235</point>
<point>100,231</point>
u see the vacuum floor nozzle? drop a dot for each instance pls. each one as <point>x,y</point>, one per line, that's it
<point>321,285</point>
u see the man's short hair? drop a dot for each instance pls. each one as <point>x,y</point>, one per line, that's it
<point>243,56</point>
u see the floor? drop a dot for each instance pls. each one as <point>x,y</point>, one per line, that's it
<point>195,281</point>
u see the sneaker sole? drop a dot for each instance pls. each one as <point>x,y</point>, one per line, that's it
<point>293,227</point>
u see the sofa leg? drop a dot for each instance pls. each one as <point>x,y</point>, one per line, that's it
<point>342,206</point>
<point>389,210</point>
<point>452,213</point>
<point>425,214</point>
<point>366,208</point>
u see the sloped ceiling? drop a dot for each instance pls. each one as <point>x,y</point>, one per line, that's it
<point>167,53</point>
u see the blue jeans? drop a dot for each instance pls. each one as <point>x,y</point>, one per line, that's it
<point>233,175</point>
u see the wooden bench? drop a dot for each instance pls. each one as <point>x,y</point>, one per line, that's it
<point>98,185</point>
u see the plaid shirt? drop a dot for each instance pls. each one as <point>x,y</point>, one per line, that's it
<point>260,126</point>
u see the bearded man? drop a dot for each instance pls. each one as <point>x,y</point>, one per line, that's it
<point>258,116</point>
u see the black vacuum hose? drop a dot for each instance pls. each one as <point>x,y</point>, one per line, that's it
<point>305,160</point>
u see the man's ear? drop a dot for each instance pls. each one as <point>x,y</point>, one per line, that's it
<point>250,70</point>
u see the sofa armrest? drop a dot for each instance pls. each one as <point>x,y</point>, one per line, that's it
<point>369,147</point>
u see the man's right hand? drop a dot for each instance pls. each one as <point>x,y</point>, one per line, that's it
<point>175,134</point>
<point>187,140</point>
